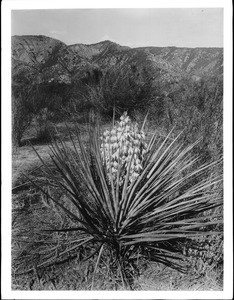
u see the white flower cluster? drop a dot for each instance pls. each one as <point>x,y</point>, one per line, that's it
<point>123,143</point>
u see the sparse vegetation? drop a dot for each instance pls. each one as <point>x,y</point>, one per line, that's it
<point>99,211</point>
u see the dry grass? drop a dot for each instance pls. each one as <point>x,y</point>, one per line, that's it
<point>26,159</point>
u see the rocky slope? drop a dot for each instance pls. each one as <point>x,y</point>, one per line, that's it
<point>196,62</point>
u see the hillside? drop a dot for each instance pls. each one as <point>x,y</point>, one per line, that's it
<point>95,50</point>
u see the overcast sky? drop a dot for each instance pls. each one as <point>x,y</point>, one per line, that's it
<point>181,27</point>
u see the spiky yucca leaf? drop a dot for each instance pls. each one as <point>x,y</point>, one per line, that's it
<point>151,215</point>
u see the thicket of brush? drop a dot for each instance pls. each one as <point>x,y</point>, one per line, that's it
<point>193,106</point>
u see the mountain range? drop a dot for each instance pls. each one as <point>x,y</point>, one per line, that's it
<point>48,59</point>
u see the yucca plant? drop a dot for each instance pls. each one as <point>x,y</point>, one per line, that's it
<point>131,217</point>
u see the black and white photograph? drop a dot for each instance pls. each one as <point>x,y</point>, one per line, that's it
<point>118,150</point>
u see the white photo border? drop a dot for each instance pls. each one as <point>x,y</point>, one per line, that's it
<point>7,7</point>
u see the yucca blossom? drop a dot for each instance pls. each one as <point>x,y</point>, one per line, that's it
<point>119,144</point>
